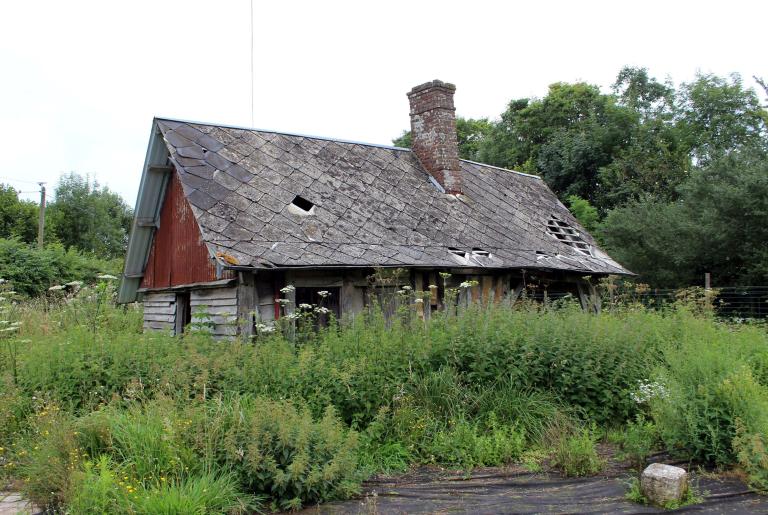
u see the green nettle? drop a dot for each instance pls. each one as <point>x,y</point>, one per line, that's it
<point>110,419</point>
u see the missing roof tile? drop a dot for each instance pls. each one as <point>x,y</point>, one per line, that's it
<point>570,236</point>
<point>301,206</point>
<point>480,252</point>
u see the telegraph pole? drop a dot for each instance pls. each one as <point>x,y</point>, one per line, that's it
<point>41,222</point>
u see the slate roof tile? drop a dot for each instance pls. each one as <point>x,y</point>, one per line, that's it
<point>373,205</point>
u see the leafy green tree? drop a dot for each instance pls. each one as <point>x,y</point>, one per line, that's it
<point>719,116</point>
<point>584,212</point>
<point>470,133</point>
<point>719,224</point>
<point>18,218</point>
<point>90,217</point>
<point>566,137</point>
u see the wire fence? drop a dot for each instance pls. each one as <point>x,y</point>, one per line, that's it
<point>747,302</point>
<point>729,302</point>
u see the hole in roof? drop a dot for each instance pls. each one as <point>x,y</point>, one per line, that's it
<point>563,232</point>
<point>302,203</point>
<point>457,252</point>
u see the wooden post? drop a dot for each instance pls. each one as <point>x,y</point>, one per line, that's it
<point>707,281</point>
<point>41,221</point>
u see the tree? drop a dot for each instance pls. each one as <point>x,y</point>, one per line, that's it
<point>719,224</point>
<point>90,217</point>
<point>18,218</point>
<point>584,212</point>
<point>470,134</point>
<point>566,137</point>
<point>719,116</point>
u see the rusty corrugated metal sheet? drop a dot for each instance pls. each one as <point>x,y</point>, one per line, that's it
<point>178,255</point>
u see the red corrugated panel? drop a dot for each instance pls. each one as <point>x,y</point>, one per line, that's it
<point>178,255</point>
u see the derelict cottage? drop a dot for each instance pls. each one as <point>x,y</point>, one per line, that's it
<point>227,217</point>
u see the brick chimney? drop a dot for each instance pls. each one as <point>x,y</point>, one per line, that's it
<point>433,132</point>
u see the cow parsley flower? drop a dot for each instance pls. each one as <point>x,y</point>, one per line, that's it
<point>322,310</point>
<point>288,289</point>
<point>106,277</point>
<point>324,293</point>
<point>283,302</point>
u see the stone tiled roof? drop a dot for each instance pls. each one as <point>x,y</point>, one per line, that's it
<point>374,206</point>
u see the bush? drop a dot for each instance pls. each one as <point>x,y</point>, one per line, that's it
<point>752,454</point>
<point>709,386</point>
<point>575,454</point>
<point>277,449</point>
<point>32,271</point>
<point>467,445</point>
<point>640,438</point>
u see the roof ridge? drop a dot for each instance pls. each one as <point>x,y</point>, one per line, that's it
<point>335,140</point>
<point>284,133</point>
<point>502,169</point>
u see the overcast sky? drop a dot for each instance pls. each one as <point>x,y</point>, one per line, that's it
<point>81,81</point>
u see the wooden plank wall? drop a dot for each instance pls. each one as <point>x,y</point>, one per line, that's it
<point>159,311</point>
<point>216,305</point>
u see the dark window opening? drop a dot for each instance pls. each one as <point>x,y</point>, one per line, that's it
<point>319,300</point>
<point>302,203</point>
<point>183,312</point>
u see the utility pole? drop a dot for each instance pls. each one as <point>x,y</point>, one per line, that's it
<point>41,222</point>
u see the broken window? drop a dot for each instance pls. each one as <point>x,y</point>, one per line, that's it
<point>563,231</point>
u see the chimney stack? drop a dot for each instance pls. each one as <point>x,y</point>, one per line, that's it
<point>433,132</point>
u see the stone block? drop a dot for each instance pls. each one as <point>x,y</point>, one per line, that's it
<point>662,484</point>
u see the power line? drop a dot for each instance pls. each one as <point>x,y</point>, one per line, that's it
<point>252,114</point>
<point>19,180</point>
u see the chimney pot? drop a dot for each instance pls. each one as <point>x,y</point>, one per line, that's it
<point>433,132</point>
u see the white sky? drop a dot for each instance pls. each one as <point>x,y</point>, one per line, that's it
<point>80,81</point>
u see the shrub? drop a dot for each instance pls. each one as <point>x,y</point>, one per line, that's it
<point>465,444</point>
<point>708,389</point>
<point>640,438</point>
<point>752,454</point>
<point>277,449</point>
<point>576,455</point>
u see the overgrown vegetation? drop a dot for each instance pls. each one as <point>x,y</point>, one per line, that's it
<point>96,416</point>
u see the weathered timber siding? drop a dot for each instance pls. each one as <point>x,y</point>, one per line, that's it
<point>159,311</point>
<point>218,307</point>
<point>178,256</point>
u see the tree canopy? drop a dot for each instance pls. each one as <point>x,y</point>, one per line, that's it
<point>671,179</point>
<point>89,217</point>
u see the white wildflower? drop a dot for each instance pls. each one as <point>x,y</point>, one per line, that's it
<point>419,301</point>
<point>283,302</point>
<point>407,288</point>
<point>106,277</point>
<point>292,316</point>
<point>58,287</point>
<point>288,289</point>
<point>648,391</point>
<point>322,310</point>
<point>264,328</point>
<point>432,286</point>
<point>305,306</point>
<point>9,329</point>
<point>324,293</point>
<point>466,284</point>
<point>74,284</point>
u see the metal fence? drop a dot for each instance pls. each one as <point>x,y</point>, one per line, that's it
<point>745,302</point>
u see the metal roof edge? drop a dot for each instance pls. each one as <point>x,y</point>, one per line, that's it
<point>502,169</point>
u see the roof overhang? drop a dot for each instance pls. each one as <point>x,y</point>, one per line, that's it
<point>146,218</point>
